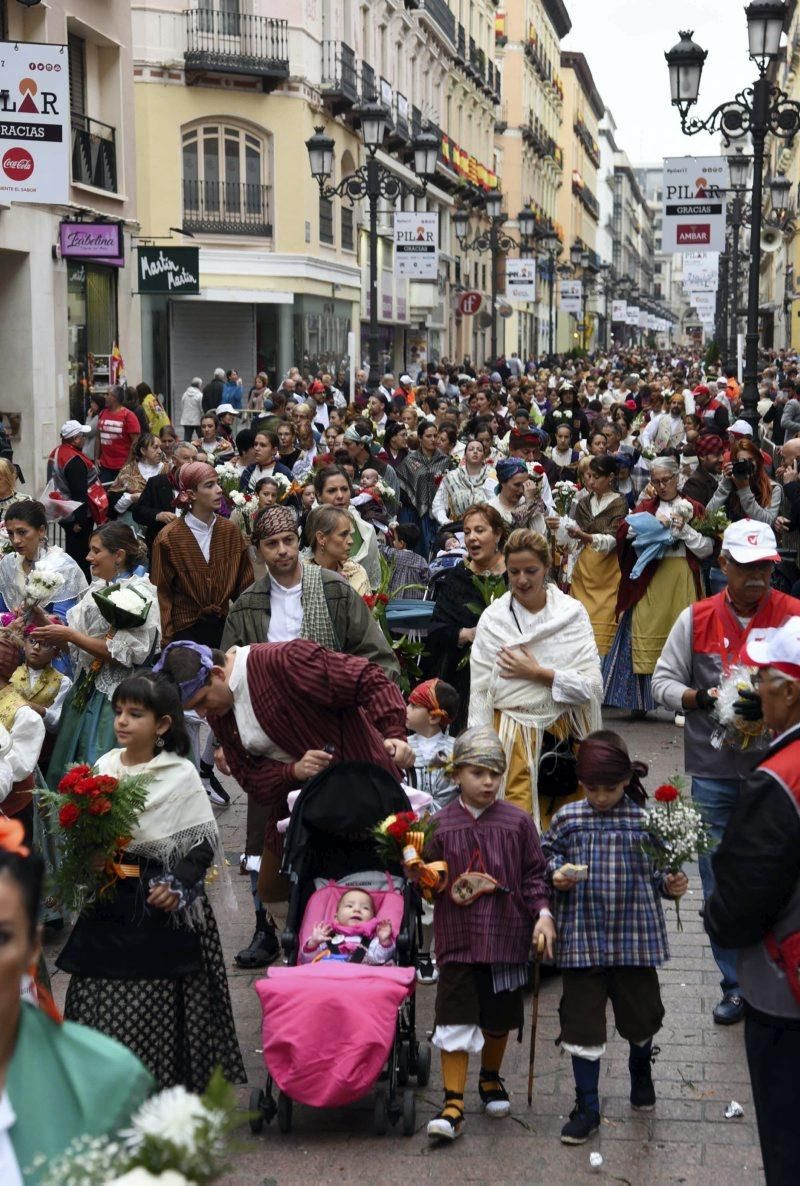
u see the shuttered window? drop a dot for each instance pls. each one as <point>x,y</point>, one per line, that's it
<point>76,48</point>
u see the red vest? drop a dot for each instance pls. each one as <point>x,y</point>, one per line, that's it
<point>716,629</point>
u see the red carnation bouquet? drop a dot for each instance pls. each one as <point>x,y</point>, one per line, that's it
<point>401,839</point>
<point>677,832</point>
<point>96,815</point>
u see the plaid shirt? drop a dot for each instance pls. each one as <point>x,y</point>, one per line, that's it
<point>615,917</point>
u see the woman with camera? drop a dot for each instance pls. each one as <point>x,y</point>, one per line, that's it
<point>745,491</point>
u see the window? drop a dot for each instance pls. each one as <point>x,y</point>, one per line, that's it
<point>325,220</point>
<point>221,16</point>
<point>224,171</point>
<point>76,54</point>
<point>348,228</point>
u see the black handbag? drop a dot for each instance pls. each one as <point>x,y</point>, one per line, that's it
<point>558,769</point>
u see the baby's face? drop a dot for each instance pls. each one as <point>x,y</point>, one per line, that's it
<point>451,544</point>
<point>354,907</point>
<point>369,478</point>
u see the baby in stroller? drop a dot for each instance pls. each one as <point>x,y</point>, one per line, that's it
<point>353,936</point>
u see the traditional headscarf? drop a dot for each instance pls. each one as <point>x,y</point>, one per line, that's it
<point>190,687</point>
<point>189,478</point>
<point>424,696</point>
<point>707,443</point>
<point>601,763</point>
<point>508,468</point>
<point>352,434</point>
<point>274,520</point>
<point>479,746</point>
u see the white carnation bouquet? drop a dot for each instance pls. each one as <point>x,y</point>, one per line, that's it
<point>284,486</point>
<point>41,588</point>
<point>734,730</point>
<point>175,1139</point>
<point>564,494</point>
<point>677,832</point>
<point>388,496</point>
<point>228,477</point>
<point>124,608</point>
<point>248,507</point>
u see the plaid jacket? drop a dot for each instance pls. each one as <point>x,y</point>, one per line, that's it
<point>615,918</point>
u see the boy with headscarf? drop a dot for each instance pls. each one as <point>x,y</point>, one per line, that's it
<point>482,925</point>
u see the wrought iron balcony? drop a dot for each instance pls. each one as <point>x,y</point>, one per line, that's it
<point>226,208</point>
<point>339,76</point>
<point>461,46</point>
<point>441,15</point>
<point>94,153</point>
<point>400,131</point>
<point>369,84</point>
<point>222,42</point>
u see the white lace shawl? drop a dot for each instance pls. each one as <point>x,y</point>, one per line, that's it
<point>13,578</point>
<point>560,636</point>
<point>128,648</point>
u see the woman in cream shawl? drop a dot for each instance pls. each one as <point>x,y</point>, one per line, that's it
<point>535,672</point>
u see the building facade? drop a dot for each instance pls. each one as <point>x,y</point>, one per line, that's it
<point>62,311</point>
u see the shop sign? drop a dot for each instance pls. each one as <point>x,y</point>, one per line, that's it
<point>171,270</point>
<point>521,279</point>
<point>619,310</point>
<point>571,296</point>
<point>100,242</point>
<point>416,245</point>
<point>701,271</point>
<point>632,316</point>
<point>469,303</point>
<point>34,123</point>
<point>694,203</point>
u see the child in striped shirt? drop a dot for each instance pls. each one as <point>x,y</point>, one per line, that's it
<point>610,924</point>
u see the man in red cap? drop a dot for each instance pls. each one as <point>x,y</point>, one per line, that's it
<point>756,902</point>
<point>702,485</point>
<point>707,640</point>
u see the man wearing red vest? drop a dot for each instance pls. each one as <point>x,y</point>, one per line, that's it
<point>706,641</point>
<point>756,903</point>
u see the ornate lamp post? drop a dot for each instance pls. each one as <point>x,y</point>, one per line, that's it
<point>757,111</point>
<point>495,241</point>
<point>372,181</point>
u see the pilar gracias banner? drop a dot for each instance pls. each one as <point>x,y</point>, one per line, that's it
<point>694,203</point>
<point>35,134</point>
<point>416,245</point>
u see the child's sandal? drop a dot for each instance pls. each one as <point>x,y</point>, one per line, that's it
<point>448,1123</point>
<point>494,1099</point>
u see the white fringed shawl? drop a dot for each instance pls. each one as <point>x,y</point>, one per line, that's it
<point>561,638</point>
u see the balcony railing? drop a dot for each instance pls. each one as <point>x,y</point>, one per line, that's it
<point>237,43</point>
<point>94,153</point>
<point>369,84</point>
<point>461,46</point>
<point>339,75</point>
<point>441,14</point>
<point>226,208</point>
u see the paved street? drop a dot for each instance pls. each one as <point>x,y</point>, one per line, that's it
<point>687,1140</point>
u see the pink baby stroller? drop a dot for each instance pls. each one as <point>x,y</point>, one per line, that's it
<point>333,1032</point>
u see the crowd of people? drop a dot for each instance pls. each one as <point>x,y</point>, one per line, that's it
<point>454,576</point>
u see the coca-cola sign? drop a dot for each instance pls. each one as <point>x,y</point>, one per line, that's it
<point>101,241</point>
<point>18,164</point>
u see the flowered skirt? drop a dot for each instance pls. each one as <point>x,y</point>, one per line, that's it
<point>181,1029</point>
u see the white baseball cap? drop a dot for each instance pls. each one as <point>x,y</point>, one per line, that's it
<point>741,428</point>
<point>74,428</point>
<point>750,542</point>
<point>406,379</point>
<point>775,646</point>
<point>226,409</point>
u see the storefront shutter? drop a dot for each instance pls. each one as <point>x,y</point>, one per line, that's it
<point>205,335</point>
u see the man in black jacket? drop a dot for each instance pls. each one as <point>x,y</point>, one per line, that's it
<point>755,905</point>
<point>72,472</point>
<point>212,392</point>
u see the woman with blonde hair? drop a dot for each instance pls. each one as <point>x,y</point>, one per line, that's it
<point>535,679</point>
<point>8,485</point>
<point>329,534</point>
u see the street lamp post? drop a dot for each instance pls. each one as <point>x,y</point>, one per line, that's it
<point>372,181</point>
<point>551,249</point>
<point>758,110</point>
<point>495,241</point>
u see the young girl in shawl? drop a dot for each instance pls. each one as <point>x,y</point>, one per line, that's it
<point>146,961</point>
<point>611,930</point>
<point>483,920</point>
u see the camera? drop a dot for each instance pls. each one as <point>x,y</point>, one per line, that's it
<point>743,469</point>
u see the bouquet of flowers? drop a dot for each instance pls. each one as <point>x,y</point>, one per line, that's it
<point>228,477</point>
<point>97,814</point>
<point>284,486</point>
<point>563,497</point>
<point>388,496</point>
<point>123,608</point>
<point>712,524</point>
<point>248,507</point>
<point>735,730</point>
<point>677,832</point>
<point>400,840</point>
<point>680,514</point>
<point>175,1139</point>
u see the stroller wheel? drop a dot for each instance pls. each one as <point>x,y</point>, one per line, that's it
<point>256,1110</point>
<point>381,1119</point>
<point>409,1114</point>
<point>284,1113</point>
<point>402,1063</point>
<point>423,1064</point>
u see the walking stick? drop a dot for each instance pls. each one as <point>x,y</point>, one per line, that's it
<point>537,975</point>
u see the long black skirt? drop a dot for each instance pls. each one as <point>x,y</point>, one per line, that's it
<point>181,1029</point>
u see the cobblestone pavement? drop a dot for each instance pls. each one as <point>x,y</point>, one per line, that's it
<point>701,1068</point>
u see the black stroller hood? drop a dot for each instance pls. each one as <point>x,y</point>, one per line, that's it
<point>332,816</point>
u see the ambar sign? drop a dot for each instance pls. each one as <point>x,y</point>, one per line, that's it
<point>697,233</point>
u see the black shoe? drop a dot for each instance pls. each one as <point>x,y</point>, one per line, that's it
<point>215,790</point>
<point>643,1093</point>
<point>494,1099</point>
<point>263,950</point>
<point>583,1122</point>
<point>730,1009</point>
